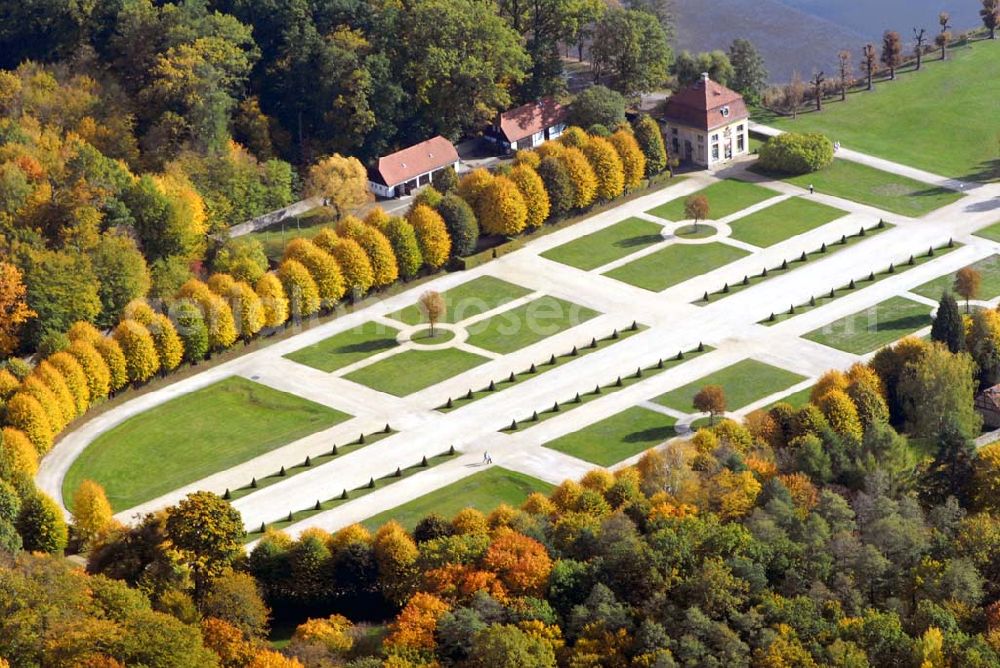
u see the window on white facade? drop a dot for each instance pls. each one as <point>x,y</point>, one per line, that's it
<point>739,143</point>
<point>715,137</point>
<point>715,151</point>
<point>739,128</point>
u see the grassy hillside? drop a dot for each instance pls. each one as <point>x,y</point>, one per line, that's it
<point>944,118</point>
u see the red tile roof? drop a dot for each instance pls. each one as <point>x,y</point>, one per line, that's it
<point>427,156</point>
<point>705,105</point>
<point>531,118</point>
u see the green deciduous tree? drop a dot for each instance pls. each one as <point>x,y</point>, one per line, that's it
<point>749,74</point>
<point>597,105</point>
<point>207,531</point>
<point>461,223</point>
<point>403,239</point>
<point>631,47</point>
<point>938,389</point>
<point>41,524</point>
<point>650,138</point>
<point>122,273</point>
<point>558,184</point>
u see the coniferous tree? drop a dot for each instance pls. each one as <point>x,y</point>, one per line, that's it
<point>948,327</point>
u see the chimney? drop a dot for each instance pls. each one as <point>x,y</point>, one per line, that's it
<point>704,77</point>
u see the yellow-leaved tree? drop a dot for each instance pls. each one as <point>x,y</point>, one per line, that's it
<point>54,380</point>
<point>92,514</point>
<point>631,155</point>
<point>169,348</point>
<point>26,414</point>
<point>607,168</point>
<point>322,267</point>
<point>75,377</point>
<point>95,369</point>
<point>300,289</point>
<point>385,269</point>
<point>114,359</point>
<point>472,185</point>
<point>432,235</point>
<point>354,263</point>
<point>141,360</point>
<point>273,300</point>
<point>340,181</point>
<point>582,175</point>
<point>248,309</point>
<point>501,208</point>
<point>17,454</point>
<point>536,199</point>
<point>14,311</point>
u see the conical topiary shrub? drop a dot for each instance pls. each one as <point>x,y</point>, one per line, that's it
<point>451,450</point>
<point>282,472</point>
<point>343,495</point>
<point>227,496</point>
<point>308,461</point>
<point>262,528</point>
<point>492,387</point>
<point>317,506</point>
<point>423,461</point>
<point>333,450</point>
<point>512,378</point>
<point>371,483</point>
<point>449,403</point>
<point>398,473</point>
<point>253,483</point>
<point>386,430</point>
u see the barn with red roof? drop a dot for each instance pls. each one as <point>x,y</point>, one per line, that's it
<point>403,172</point>
<point>707,124</point>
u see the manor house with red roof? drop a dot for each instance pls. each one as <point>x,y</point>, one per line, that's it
<point>707,124</point>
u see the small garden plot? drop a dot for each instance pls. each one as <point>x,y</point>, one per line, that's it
<point>618,437</point>
<point>867,185</point>
<point>786,219</point>
<point>520,327</point>
<point>467,300</point>
<point>724,199</point>
<point>348,347</point>
<point>743,383</point>
<point>413,370</point>
<point>349,495</point>
<point>796,400</point>
<point>992,232</point>
<point>855,284</point>
<point>483,491</point>
<point>791,264</point>
<point>675,264</point>
<point>571,403</point>
<point>537,369</point>
<point>193,436</point>
<point>989,271</point>
<point>607,245</point>
<point>874,327</point>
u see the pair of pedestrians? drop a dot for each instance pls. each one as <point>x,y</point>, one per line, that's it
<point>487,459</point>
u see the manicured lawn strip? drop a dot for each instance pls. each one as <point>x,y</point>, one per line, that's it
<point>872,328</point>
<point>855,284</point>
<point>950,105</point>
<point>795,400</point>
<point>529,323</point>
<point>347,347</point>
<point>786,219</point>
<point>306,226</point>
<point>789,265</point>
<point>364,490</point>
<point>618,437</point>
<point>867,185</point>
<point>724,198</point>
<point>744,383</point>
<point>675,264</point>
<point>992,232</point>
<point>619,383</point>
<point>296,468</point>
<point>194,436</point>
<point>483,491</point>
<point>604,246</point>
<point>989,270</point>
<point>538,369</point>
<point>413,370</point>
<point>466,300</point>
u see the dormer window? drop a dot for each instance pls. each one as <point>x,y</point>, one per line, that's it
<point>725,112</point>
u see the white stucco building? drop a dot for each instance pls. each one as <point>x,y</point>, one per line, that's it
<point>527,126</point>
<point>406,171</point>
<point>707,124</point>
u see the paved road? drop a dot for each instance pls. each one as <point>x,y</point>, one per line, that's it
<point>674,323</point>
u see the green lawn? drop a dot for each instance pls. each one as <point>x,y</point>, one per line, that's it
<point>943,119</point>
<point>989,270</point>
<point>796,399</point>
<point>466,300</point>
<point>618,437</point>
<point>992,232</point>
<point>783,220</point>
<point>864,184</point>
<point>520,327</point>
<point>194,436</point>
<point>744,383</point>
<point>306,226</point>
<point>867,330</point>
<point>724,198</point>
<point>675,264</point>
<point>413,370</point>
<point>483,491</point>
<point>607,245</point>
<point>347,347</point>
